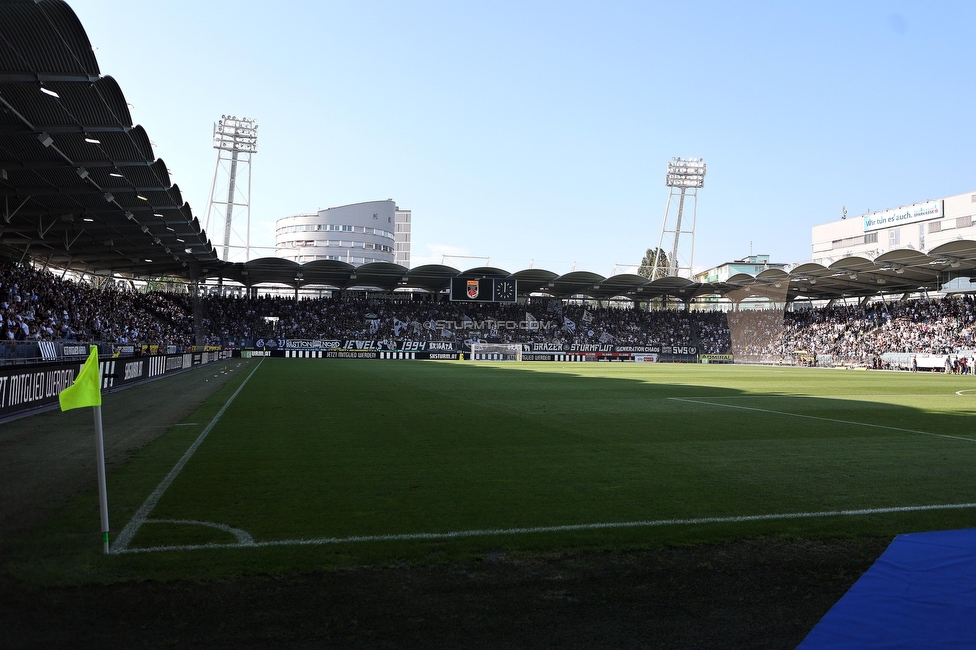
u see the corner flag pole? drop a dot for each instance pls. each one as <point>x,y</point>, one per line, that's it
<point>102,491</point>
<point>87,391</point>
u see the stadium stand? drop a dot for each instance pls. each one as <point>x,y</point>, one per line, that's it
<point>37,305</point>
<point>83,192</point>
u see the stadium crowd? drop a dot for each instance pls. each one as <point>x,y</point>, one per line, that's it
<point>37,305</point>
<point>864,333</point>
<point>235,319</point>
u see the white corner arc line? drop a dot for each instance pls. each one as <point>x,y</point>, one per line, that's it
<point>243,537</point>
<point>122,541</point>
<point>816,417</point>
<point>962,393</point>
<point>322,541</point>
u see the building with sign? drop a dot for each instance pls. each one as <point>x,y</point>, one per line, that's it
<point>920,226</point>
<point>360,233</point>
<point>753,265</point>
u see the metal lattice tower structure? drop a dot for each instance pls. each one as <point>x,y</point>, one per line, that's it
<point>685,177</point>
<point>236,140</point>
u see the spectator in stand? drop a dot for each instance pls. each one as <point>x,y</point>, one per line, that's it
<point>37,305</point>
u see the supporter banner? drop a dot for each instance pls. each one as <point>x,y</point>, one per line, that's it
<point>453,345</point>
<point>573,348</point>
<point>366,344</point>
<point>426,346</point>
<point>307,344</point>
<point>49,350</point>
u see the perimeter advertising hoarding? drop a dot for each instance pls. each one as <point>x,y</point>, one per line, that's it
<point>483,290</point>
<point>28,387</point>
<point>454,345</point>
<point>900,216</point>
<point>361,344</point>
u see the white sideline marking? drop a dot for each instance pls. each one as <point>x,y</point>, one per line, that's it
<point>131,528</point>
<point>552,529</point>
<point>814,417</point>
<point>854,397</point>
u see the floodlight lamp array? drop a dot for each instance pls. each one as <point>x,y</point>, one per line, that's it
<point>232,133</point>
<point>686,172</point>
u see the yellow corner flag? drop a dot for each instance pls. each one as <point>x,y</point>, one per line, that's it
<point>87,388</point>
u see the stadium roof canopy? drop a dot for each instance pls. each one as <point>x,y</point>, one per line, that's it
<point>80,188</point>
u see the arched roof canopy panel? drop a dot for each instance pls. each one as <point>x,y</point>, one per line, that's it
<point>772,275</point>
<point>906,269</point>
<point>904,256</point>
<point>326,273</point>
<point>808,268</point>
<point>853,264</point>
<point>625,285</point>
<point>485,272</point>
<point>234,271</point>
<point>741,278</point>
<point>710,289</point>
<point>533,280</point>
<point>272,270</point>
<point>433,278</point>
<point>577,282</point>
<point>382,275</point>
<point>667,286</point>
<point>857,276</point>
<point>960,254</point>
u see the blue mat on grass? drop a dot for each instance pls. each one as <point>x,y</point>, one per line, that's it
<point>921,593</point>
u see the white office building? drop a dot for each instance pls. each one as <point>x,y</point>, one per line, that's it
<point>753,265</point>
<point>361,233</point>
<point>401,237</point>
<point>919,226</point>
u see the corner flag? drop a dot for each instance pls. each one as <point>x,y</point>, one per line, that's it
<point>87,391</point>
<point>87,387</point>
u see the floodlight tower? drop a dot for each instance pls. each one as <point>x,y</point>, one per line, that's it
<point>685,177</point>
<point>236,140</point>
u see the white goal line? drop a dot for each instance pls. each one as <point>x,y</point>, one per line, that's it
<point>122,541</point>
<point>323,541</point>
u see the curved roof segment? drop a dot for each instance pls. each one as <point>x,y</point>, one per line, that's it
<point>431,277</point>
<point>81,187</point>
<point>533,280</point>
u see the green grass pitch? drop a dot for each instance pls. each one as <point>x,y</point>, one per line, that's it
<point>315,455</point>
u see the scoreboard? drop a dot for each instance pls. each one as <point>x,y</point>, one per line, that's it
<point>483,290</point>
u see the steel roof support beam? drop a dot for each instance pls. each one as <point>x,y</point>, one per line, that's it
<point>14,129</point>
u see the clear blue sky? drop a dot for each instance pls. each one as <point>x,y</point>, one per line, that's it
<point>541,131</point>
